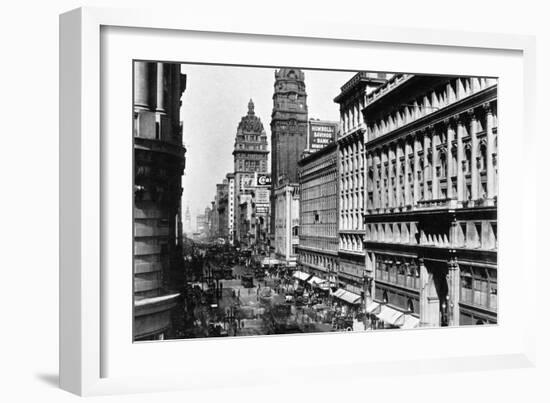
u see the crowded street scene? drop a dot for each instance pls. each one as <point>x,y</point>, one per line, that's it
<point>234,293</point>
<point>284,200</point>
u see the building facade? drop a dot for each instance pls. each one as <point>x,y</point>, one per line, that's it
<point>430,222</point>
<point>351,162</point>
<point>287,205</point>
<point>318,231</point>
<point>159,163</point>
<point>230,207</point>
<point>222,209</point>
<point>250,157</point>
<point>289,130</point>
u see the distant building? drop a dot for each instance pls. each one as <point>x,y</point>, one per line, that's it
<point>231,207</point>
<point>187,226</point>
<point>250,155</point>
<point>202,225</point>
<point>222,209</point>
<point>318,234</point>
<point>159,162</point>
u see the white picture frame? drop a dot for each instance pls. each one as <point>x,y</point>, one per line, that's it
<point>85,342</point>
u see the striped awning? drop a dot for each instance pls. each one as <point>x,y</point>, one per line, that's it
<point>391,316</point>
<point>410,322</point>
<point>373,307</point>
<point>300,275</point>
<point>347,296</point>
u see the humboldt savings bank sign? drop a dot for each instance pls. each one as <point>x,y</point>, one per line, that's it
<point>321,134</point>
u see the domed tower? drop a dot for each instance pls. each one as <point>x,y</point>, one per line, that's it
<point>249,154</point>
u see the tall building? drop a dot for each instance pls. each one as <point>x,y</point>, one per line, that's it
<point>289,132</point>
<point>222,210</point>
<point>250,156</point>
<point>187,226</point>
<point>431,229</point>
<point>351,161</point>
<point>318,233</point>
<point>202,225</point>
<point>159,162</point>
<point>230,207</point>
<point>288,125</point>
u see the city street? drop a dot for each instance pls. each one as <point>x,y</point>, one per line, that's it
<point>254,301</point>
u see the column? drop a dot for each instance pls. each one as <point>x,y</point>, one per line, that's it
<point>398,194</point>
<point>389,185</point>
<point>161,107</point>
<point>376,178</point>
<point>423,305</point>
<point>449,156</point>
<point>382,178</point>
<point>416,167</point>
<point>473,158</point>
<point>460,158</point>
<point>435,179</point>
<point>453,281</point>
<point>426,164</point>
<point>406,173</point>
<point>490,150</point>
<point>144,84</point>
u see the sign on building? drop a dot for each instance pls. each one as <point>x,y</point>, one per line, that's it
<point>263,180</point>
<point>321,133</point>
<point>261,196</point>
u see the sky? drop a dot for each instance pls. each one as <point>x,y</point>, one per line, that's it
<point>213,103</point>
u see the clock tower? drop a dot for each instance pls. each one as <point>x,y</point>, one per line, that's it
<point>288,130</point>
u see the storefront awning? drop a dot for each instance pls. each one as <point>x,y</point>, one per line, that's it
<point>347,296</point>
<point>319,282</point>
<point>410,322</point>
<point>391,316</point>
<point>300,275</point>
<point>373,307</point>
<point>270,261</point>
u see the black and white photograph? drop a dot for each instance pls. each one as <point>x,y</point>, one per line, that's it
<point>284,200</point>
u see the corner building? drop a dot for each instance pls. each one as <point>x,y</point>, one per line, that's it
<point>159,162</point>
<point>351,162</point>
<point>430,222</point>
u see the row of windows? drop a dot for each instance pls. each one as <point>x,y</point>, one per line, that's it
<point>351,201</point>
<point>439,98</point>
<point>321,190</point>
<point>323,165</point>
<point>320,203</point>
<point>469,234</point>
<point>351,182</point>
<point>351,242</point>
<point>351,221</point>
<point>478,286</point>
<point>325,262</point>
<point>319,229</point>
<point>319,243</point>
